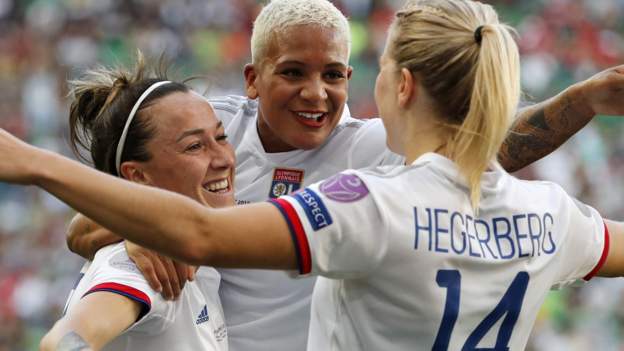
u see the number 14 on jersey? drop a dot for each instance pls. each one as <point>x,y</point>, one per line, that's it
<point>509,307</point>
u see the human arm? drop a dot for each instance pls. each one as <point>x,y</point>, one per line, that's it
<point>541,128</point>
<point>85,237</point>
<point>246,236</point>
<point>614,264</point>
<point>79,330</point>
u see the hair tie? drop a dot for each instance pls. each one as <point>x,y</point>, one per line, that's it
<point>124,134</point>
<point>478,35</point>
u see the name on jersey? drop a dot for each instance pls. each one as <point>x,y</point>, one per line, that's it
<point>501,238</point>
<point>285,181</point>
<point>314,208</point>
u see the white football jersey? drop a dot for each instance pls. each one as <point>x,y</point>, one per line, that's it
<point>269,310</point>
<point>192,322</point>
<point>408,265</point>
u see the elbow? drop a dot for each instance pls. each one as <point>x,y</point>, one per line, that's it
<point>70,240</point>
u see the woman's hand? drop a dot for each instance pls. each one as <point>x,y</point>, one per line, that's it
<point>19,161</point>
<point>162,273</point>
<point>603,93</point>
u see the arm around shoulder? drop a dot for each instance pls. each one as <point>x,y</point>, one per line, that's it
<point>85,237</point>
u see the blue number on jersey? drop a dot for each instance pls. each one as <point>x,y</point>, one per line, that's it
<point>509,306</point>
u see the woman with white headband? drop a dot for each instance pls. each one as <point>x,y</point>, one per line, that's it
<point>155,132</point>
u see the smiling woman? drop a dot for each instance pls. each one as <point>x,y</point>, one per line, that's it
<point>155,132</point>
<point>306,81</point>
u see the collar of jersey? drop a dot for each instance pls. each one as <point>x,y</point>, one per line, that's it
<point>492,180</point>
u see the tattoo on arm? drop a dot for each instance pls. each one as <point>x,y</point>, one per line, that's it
<point>72,342</point>
<point>539,130</point>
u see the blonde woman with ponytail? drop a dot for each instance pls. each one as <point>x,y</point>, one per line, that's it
<point>448,252</point>
<point>458,73</point>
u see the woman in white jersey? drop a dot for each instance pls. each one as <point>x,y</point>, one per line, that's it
<point>446,253</point>
<point>293,129</point>
<point>151,131</point>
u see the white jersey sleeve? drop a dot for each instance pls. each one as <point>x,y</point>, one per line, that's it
<point>586,246</point>
<point>326,222</point>
<point>113,271</point>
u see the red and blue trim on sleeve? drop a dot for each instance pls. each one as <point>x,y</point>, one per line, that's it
<point>127,291</point>
<point>300,240</point>
<point>603,258</point>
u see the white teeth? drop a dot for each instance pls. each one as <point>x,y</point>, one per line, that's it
<point>310,115</point>
<point>219,186</point>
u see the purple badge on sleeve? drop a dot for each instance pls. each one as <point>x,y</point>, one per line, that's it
<point>344,188</point>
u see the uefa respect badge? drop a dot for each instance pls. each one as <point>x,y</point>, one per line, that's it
<point>344,188</point>
<point>285,181</point>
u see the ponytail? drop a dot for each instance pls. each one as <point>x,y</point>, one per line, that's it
<point>469,64</point>
<point>102,101</point>
<point>493,102</point>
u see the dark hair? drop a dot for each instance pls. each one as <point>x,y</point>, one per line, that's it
<point>102,101</point>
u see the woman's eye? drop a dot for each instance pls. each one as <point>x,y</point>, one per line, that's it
<point>194,147</point>
<point>222,138</point>
<point>292,73</point>
<point>335,75</point>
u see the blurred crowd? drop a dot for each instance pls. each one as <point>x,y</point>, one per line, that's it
<point>43,43</point>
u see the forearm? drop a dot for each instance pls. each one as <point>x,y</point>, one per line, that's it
<point>85,237</point>
<point>540,129</point>
<point>614,264</point>
<point>162,220</point>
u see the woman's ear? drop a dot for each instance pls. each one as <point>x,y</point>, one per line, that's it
<point>134,172</point>
<point>251,74</point>
<point>407,88</point>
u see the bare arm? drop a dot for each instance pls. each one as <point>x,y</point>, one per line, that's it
<point>246,236</point>
<point>540,129</point>
<point>79,330</point>
<point>85,237</point>
<point>614,265</point>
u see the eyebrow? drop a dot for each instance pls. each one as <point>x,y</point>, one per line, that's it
<point>330,65</point>
<point>197,131</point>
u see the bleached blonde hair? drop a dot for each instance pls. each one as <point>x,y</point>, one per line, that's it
<point>280,15</point>
<point>475,85</point>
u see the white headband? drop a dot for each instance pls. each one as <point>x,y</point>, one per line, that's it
<point>135,108</point>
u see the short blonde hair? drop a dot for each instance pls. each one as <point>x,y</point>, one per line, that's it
<point>469,64</point>
<point>279,15</point>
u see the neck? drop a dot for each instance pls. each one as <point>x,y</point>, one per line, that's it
<point>270,142</point>
<point>424,138</point>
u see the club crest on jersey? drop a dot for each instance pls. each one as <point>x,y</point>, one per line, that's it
<point>344,188</point>
<point>285,181</point>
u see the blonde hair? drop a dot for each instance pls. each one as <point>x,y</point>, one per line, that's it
<point>280,15</point>
<point>474,78</point>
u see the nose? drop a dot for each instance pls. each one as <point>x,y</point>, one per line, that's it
<point>222,157</point>
<point>314,90</point>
